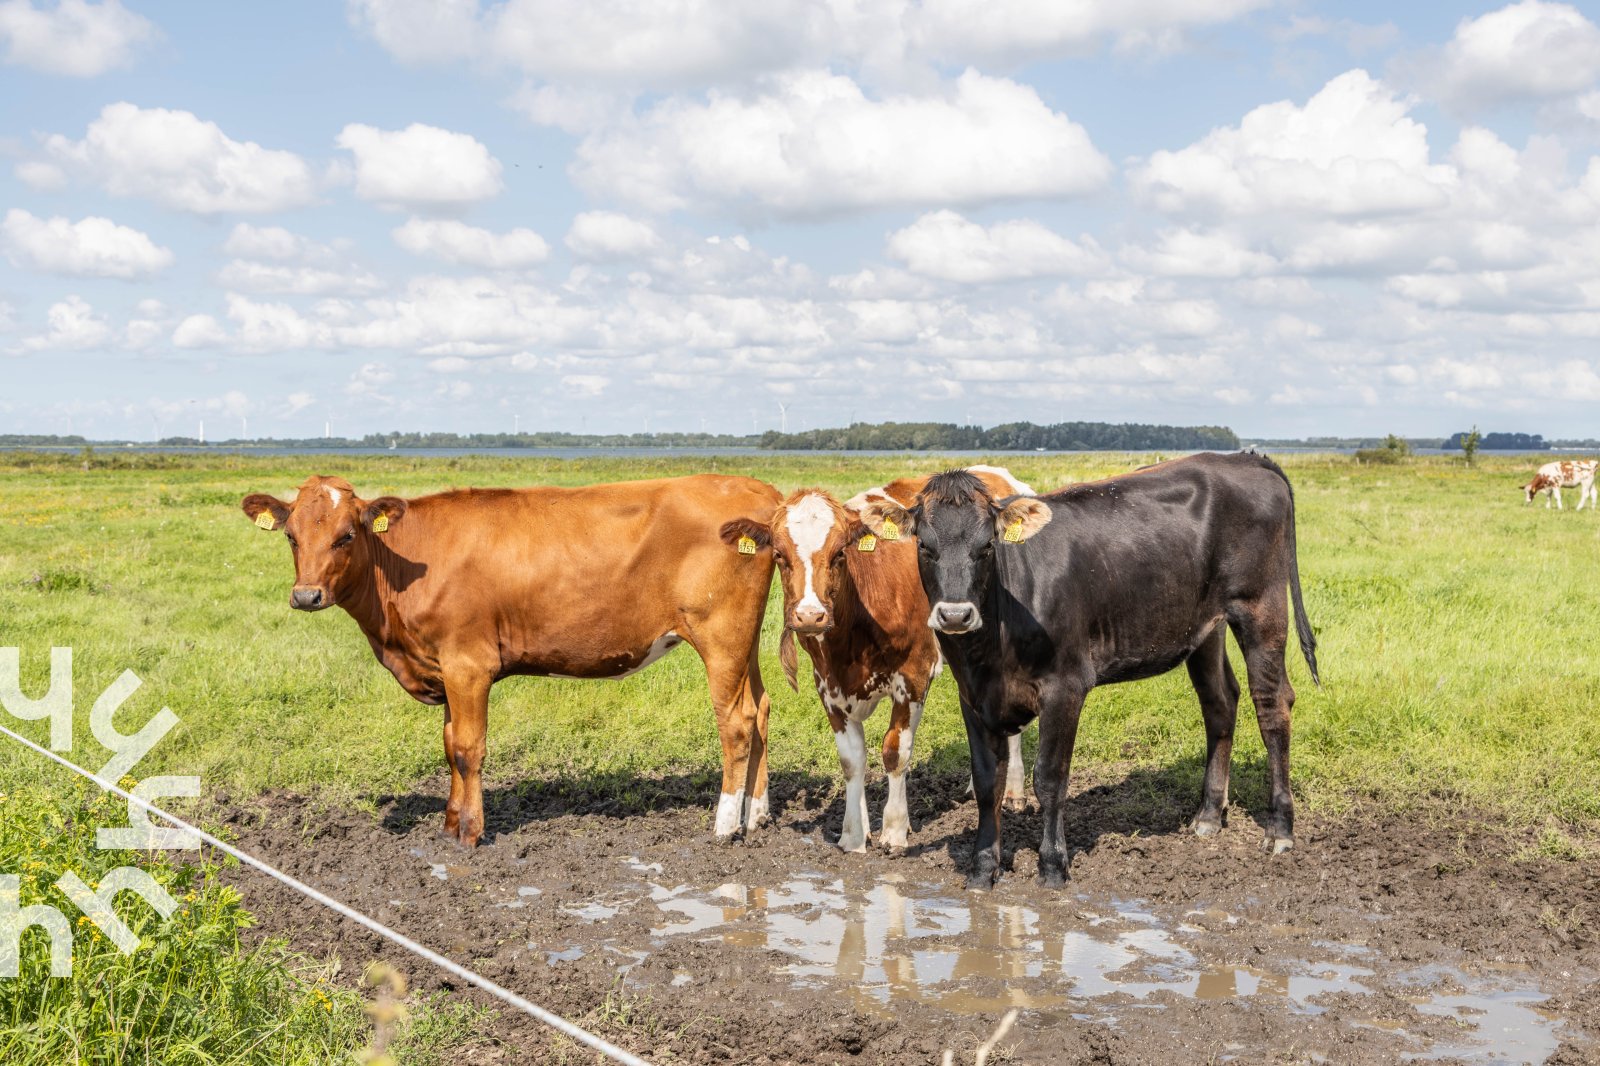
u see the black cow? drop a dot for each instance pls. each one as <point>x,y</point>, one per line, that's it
<point>1039,599</point>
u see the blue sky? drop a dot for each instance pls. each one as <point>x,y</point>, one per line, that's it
<point>1290,218</point>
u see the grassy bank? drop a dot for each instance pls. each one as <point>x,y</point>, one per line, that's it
<point>1454,626</point>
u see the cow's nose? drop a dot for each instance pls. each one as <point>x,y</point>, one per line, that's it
<point>956,617</point>
<point>307,598</point>
<point>810,618</point>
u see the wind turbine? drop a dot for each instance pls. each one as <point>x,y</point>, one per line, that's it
<point>783,417</point>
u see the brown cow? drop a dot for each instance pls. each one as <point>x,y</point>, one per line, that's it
<point>858,607</point>
<point>457,590</point>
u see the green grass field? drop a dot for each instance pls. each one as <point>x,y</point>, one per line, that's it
<point>1453,627</point>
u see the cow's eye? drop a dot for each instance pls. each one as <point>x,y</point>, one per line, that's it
<point>292,542</point>
<point>346,539</point>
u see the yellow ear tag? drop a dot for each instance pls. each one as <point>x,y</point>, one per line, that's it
<point>867,543</point>
<point>747,546</point>
<point>264,520</point>
<point>381,523</point>
<point>1014,532</point>
<point>890,530</point>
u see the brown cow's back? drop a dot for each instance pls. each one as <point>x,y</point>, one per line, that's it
<point>577,582</point>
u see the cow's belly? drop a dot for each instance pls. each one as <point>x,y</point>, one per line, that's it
<point>594,664</point>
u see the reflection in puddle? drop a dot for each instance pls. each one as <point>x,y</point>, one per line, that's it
<point>980,955</point>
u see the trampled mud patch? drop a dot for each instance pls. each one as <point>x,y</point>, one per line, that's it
<point>1377,940</point>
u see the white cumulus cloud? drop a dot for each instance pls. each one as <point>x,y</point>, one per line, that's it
<point>1351,150</point>
<point>182,161</point>
<point>421,167</point>
<point>943,244</point>
<point>457,242</point>
<point>92,247</point>
<point>1526,51</point>
<point>677,43</point>
<point>816,144</point>
<point>72,325</point>
<point>609,235</point>
<point>72,37</point>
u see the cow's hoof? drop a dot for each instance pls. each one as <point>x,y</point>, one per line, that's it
<point>1052,876</point>
<point>1016,804</point>
<point>1206,827</point>
<point>726,838</point>
<point>1277,845</point>
<point>853,847</point>
<point>895,851</point>
<point>982,881</point>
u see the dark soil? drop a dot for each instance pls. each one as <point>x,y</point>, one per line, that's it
<point>1379,938</point>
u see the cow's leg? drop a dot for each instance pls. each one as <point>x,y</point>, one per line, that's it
<point>1016,798</point>
<point>989,753</point>
<point>467,694</point>
<point>1218,689</point>
<point>756,814</point>
<point>904,717</point>
<point>737,710</point>
<point>1058,732</point>
<point>1556,492</point>
<point>452,808</point>
<point>851,740</point>
<point>1262,631</point>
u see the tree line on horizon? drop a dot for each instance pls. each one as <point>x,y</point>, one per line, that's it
<point>860,436</point>
<point>1010,437</point>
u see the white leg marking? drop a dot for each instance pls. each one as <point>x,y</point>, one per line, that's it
<point>757,815</point>
<point>730,808</point>
<point>852,744</point>
<point>896,815</point>
<point>1014,770</point>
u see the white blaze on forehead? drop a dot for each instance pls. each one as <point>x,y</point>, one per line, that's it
<point>809,521</point>
<point>1017,487</point>
<point>333,494</point>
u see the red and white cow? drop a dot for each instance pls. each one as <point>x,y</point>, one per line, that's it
<point>1565,474</point>
<point>856,603</point>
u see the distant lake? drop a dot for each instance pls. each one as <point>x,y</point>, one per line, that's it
<point>668,453</point>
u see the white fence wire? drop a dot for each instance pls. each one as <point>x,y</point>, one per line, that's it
<point>500,992</point>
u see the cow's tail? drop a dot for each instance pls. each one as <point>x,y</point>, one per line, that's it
<point>1302,624</point>
<point>787,658</point>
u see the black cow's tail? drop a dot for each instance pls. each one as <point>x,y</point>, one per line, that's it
<point>1302,624</point>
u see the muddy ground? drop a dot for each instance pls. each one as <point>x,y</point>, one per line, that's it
<point>1380,938</point>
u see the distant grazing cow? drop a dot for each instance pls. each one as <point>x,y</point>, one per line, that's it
<point>857,605</point>
<point>457,590</point>
<point>1566,474</point>
<point>1039,600</point>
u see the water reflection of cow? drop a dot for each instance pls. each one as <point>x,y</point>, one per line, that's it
<point>1039,600</point>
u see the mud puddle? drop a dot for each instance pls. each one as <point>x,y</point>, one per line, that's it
<point>900,942</point>
<point>1164,949</point>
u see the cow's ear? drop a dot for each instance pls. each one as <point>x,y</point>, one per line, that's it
<point>1021,519</point>
<point>746,535</point>
<point>268,512</point>
<point>383,512</point>
<point>887,519</point>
